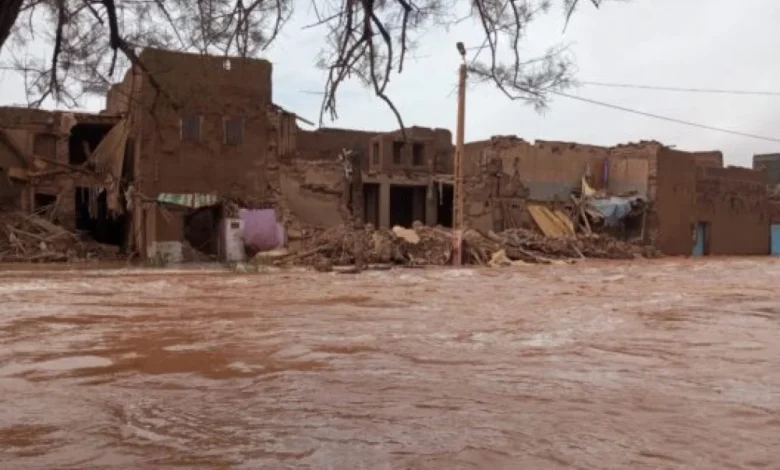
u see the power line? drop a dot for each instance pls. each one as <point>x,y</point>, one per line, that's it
<point>664,118</point>
<point>681,89</point>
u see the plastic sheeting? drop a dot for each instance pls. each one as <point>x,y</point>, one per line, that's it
<point>261,230</point>
<point>614,209</point>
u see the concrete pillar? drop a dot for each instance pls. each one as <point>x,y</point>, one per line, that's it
<point>384,205</point>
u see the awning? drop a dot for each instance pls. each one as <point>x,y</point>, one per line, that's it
<point>192,200</point>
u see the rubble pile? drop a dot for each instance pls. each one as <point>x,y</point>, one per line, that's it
<point>421,245</point>
<point>34,238</point>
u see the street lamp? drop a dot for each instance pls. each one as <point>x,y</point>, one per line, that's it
<point>457,203</point>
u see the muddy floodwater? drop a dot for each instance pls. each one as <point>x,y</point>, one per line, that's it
<point>672,364</point>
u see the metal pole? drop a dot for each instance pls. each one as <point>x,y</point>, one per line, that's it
<point>458,190</point>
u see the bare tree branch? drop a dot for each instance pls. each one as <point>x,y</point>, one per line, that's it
<point>367,40</point>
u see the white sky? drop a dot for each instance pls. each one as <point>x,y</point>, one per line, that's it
<point>686,43</point>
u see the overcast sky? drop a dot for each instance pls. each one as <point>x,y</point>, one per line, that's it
<point>685,43</point>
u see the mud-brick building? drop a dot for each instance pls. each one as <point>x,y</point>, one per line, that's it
<point>201,129</point>
<point>182,133</point>
<point>695,205</point>
<point>705,209</point>
<point>406,176</point>
<point>48,160</point>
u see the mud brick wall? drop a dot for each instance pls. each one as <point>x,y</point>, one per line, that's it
<point>216,89</point>
<point>770,163</point>
<point>734,201</point>
<point>326,144</point>
<point>672,187</point>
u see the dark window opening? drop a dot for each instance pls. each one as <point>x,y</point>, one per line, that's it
<point>45,145</point>
<point>371,203</point>
<point>92,217</point>
<point>44,204</point>
<point>190,128</point>
<point>84,138</point>
<point>128,164</point>
<point>445,212</point>
<point>417,155</point>
<point>407,205</point>
<point>398,148</point>
<point>234,131</point>
<point>375,154</point>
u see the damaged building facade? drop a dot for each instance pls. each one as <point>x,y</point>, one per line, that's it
<point>187,142</point>
<point>689,203</point>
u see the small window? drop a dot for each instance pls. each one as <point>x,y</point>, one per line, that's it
<point>397,153</point>
<point>190,128</point>
<point>375,154</point>
<point>417,155</point>
<point>234,131</point>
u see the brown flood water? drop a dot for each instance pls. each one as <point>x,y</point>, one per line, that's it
<point>665,365</point>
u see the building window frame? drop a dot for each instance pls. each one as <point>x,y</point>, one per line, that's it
<point>233,128</point>
<point>191,128</point>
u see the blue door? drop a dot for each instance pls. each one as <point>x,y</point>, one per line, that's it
<point>775,239</point>
<point>701,247</point>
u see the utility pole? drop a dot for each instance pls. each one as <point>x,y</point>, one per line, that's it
<point>457,205</point>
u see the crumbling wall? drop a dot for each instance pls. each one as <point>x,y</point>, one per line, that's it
<point>312,191</point>
<point>326,143</point>
<point>550,170</point>
<point>734,201</point>
<point>434,146</point>
<point>771,164</point>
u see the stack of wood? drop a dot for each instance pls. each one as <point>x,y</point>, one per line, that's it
<point>34,238</point>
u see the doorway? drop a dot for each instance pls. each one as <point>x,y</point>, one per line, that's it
<point>92,216</point>
<point>446,200</point>
<point>702,245</point>
<point>371,204</point>
<point>407,205</point>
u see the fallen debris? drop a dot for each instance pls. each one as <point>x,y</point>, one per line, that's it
<point>33,238</point>
<point>421,246</point>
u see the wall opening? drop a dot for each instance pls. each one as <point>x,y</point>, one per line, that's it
<point>417,154</point>
<point>42,201</point>
<point>702,245</point>
<point>375,154</point>
<point>201,229</point>
<point>371,203</point>
<point>398,148</point>
<point>84,138</point>
<point>92,217</point>
<point>407,205</point>
<point>445,213</point>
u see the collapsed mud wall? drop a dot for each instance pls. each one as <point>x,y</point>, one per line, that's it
<point>504,172</point>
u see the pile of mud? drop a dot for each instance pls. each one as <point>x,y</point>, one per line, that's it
<point>425,246</point>
<point>34,238</point>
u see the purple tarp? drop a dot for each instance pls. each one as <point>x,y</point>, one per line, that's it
<point>261,230</point>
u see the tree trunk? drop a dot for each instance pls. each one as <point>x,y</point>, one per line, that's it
<point>9,12</point>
